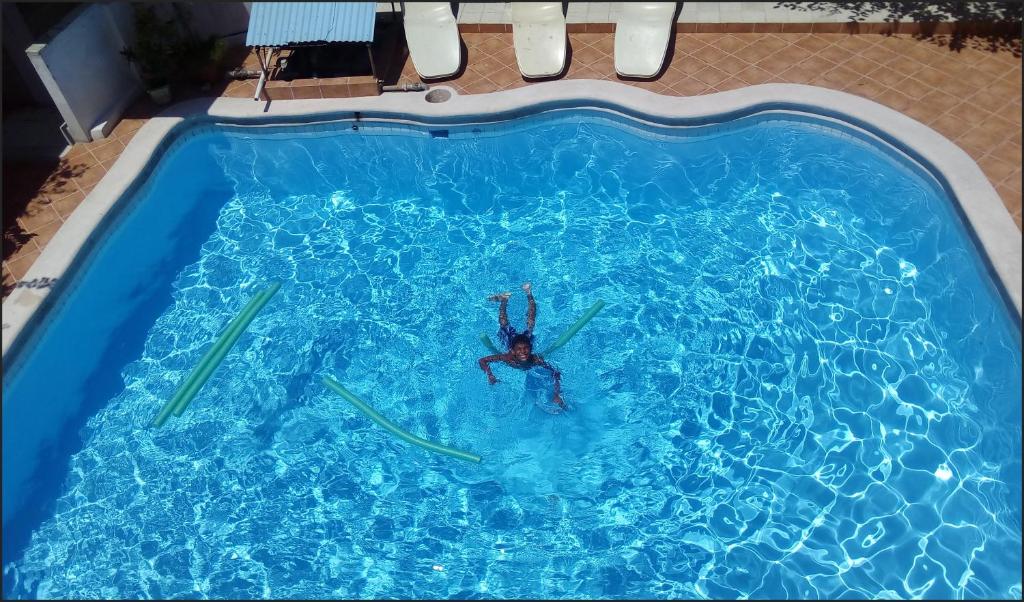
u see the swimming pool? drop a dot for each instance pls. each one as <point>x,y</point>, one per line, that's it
<point>804,383</point>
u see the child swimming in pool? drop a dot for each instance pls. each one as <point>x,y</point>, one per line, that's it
<point>520,345</point>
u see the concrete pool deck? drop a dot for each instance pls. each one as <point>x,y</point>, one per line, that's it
<point>978,199</point>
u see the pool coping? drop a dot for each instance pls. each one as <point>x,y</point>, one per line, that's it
<point>992,225</point>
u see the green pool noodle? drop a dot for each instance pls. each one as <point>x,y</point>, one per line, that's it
<point>205,370</point>
<point>222,340</point>
<point>211,366</point>
<point>568,334</point>
<point>210,359</point>
<point>395,429</point>
<point>187,388</point>
<point>486,340</point>
<point>165,412</point>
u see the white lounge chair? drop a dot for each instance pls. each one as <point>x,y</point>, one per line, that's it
<point>433,39</point>
<point>538,33</point>
<point>641,37</point>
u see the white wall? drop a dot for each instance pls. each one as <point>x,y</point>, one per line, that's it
<point>219,19</point>
<point>82,68</point>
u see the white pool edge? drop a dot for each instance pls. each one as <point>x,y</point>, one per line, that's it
<point>980,203</point>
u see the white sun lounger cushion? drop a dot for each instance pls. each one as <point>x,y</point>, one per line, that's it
<point>433,39</point>
<point>538,33</point>
<point>641,37</point>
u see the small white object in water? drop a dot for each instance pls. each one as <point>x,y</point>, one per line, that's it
<point>907,269</point>
<point>438,567</point>
<point>943,473</point>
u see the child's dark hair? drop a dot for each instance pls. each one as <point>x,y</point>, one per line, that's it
<point>521,338</point>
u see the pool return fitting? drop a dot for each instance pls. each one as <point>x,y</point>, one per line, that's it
<point>214,356</point>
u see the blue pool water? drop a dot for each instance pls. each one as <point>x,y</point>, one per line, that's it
<point>804,383</point>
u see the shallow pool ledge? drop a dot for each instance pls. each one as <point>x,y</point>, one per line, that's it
<point>989,219</point>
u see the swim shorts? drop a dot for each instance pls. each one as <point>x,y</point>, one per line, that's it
<point>508,332</point>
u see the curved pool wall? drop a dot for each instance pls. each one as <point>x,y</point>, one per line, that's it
<point>50,424</point>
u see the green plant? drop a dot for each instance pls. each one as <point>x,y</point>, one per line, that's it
<point>218,49</point>
<point>157,42</point>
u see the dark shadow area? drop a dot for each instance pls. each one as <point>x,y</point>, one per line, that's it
<point>350,59</point>
<point>565,69</point>
<point>24,181</point>
<point>32,138</point>
<point>21,182</point>
<point>389,48</point>
<point>962,37</point>
<point>991,26</point>
<point>193,85</point>
<point>328,60</point>
<point>40,17</point>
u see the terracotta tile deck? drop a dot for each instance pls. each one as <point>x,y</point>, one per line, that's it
<point>972,96</point>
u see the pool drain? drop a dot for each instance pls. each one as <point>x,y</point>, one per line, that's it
<point>439,95</point>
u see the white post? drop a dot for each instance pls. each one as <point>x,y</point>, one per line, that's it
<point>35,56</point>
<point>259,85</point>
<point>264,69</point>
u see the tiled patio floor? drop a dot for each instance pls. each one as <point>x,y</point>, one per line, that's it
<point>972,96</point>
